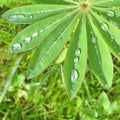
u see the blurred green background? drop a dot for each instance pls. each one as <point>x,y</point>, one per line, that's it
<point>44,97</point>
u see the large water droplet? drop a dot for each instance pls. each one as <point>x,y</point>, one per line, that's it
<point>16,47</point>
<point>35,34</point>
<point>110,13</point>
<point>27,40</point>
<point>74,76</point>
<point>94,39</point>
<point>104,27</point>
<point>14,18</point>
<point>77,52</point>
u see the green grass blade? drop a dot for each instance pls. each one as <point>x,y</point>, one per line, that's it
<point>110,33</point>
<point>75,62</point>
<point>99,56</point>
<point>51,47</point>
<point>34,34</point>
<point>33,13</point>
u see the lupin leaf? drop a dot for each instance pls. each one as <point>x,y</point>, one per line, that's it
<point>33,13</point>
<point>53,27</point>
<point>33,35</point>
<point>110,33</point>
<point>76,60</point>
<point>97,52</point>
<point>50,48</point>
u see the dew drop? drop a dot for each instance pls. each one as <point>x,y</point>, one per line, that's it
<point>77,52</point>
<point>76,59</point>
<point>104,27</point>
<point>31,16</point>
<point>106,86</point>
<point>13,18</point>
<point>27,40</point>
<point>74,76</point>
<point>94,39</point>
<point>16,47</point>
<point>35,34</point>
<point>110,13</point>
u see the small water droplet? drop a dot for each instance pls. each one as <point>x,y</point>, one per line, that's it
<point>16,47</point>
<point>112,37</point>
<point>106,86</point>
<point>76,59</point>
<point>77,52</point>
<point>104,27</point>
<point>35,34</point>
<point>110,13</point>
<point>74,76</point>
<point>31,16</point>
<point>27,40</point>
<point>14,18</point>
<point>94,39</point>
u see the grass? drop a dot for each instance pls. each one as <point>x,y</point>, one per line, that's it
<point>44,97</point>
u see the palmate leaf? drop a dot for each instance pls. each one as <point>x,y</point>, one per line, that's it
<point>92,26</point>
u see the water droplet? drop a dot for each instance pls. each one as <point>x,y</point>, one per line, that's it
<point>104,27</point>
<point>77,52</point>
<point>112,37</point>
<point>74,76</point>
<point>31,16</point>
<point>94,39</point>
<point>110,13</point>
<point>76,60</point>
<point>14,18</point>
<point>106,86</point>
<point>35,34</point>
<point>27,40</point>
<point>16,47</point>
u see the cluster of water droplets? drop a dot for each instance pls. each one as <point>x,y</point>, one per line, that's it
<point>19,17</point>
<point>74,72</point>
<point>26,40</point>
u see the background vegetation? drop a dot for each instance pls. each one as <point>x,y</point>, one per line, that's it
<point>44,97</point>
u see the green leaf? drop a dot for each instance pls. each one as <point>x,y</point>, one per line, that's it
<point>97,52</point>
<point>110,34</point>
<point>104,101</point>
<point>111,14</point>
<point>50,48</point>
<point>33,13</point>
<point>108,3</point>
<point>75,62</point>
<point>33,35</point>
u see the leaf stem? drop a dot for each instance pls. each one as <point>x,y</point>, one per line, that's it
<point>10,77</point>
